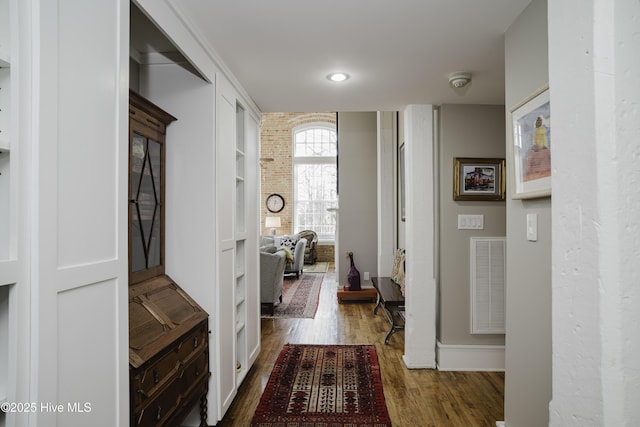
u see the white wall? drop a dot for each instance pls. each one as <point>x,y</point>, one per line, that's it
<point>357,171</point>
<point>190,160</point>
<point>528,338</point>
<point>481,136</point>
<point>190,185</point>
<point>595,93</point>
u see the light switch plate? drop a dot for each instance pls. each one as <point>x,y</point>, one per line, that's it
<point>470,222</point>
<point>532,227</point>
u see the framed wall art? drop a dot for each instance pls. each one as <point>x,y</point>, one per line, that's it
<point>530,146</point>
<point>478,179</point>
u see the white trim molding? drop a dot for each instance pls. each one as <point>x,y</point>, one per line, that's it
<point>470,357</point>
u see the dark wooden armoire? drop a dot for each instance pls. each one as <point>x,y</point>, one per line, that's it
<point>168,330</point>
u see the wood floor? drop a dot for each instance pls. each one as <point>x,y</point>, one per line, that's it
<point>415,398</point>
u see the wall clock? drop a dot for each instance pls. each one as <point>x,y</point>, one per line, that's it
<point>275,203</point>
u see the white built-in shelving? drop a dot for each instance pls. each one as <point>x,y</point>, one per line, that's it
<point>5,105</point>
<point>8,264</point>
<point>5,75</point>
<point>241,249</point>
<point>237,194</point>
<point>5,160</point>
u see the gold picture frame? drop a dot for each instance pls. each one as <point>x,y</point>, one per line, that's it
<point>478,179</point>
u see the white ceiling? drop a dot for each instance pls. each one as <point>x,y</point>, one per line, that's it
<point>397,52</point>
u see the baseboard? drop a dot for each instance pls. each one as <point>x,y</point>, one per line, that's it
<point>470,357</point>
<point>500,424</point>
<point>412,364</point>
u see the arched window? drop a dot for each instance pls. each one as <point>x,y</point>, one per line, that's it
<point>315,176</point>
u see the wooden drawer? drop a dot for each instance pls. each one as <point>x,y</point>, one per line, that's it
<point>181,394</point>
<point>152,378</point>
<point>192,343</point>
<point>158,410</point>
<point>194,372</point>
<point>147,383</point>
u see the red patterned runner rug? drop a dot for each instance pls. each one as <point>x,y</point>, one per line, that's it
<point>324,386</point>
<point>299,297</point>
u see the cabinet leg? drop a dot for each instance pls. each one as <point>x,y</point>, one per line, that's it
<point>203,409</point>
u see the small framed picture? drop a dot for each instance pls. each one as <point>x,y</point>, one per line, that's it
<point>530,146</point>
<point>478,179</point>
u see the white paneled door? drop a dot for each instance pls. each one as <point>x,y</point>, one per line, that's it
<point>76,157</point>
<point>225,196</point>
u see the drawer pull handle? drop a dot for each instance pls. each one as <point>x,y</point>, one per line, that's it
<point>195,342</point>
<point>156,376</point>
<point>197,371</point>
<point>159,414</point>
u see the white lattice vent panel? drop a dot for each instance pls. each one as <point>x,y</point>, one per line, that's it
<point>488,285</point>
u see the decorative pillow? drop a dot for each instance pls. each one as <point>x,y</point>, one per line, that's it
<point>398,262</point>
<point>288,253</point>
<point>289,242</point>
<point>400,280</point>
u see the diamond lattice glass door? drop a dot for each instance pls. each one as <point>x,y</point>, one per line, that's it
<point>145,203</point>
<point>147,132</point>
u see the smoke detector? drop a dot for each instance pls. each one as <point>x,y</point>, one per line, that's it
<point>459,79</point>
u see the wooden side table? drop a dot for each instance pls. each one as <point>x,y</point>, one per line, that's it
<point>364,294</point>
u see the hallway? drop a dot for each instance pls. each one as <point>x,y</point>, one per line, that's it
<point>414,397</point>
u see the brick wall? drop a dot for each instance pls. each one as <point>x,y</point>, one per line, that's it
<point>277,167</point>
<point>325,252</point>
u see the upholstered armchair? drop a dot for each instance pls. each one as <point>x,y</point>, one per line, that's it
<point>271,276</point>
<point>295,267</point>
<point>310,256</point>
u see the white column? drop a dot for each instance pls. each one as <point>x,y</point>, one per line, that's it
<point>420,328</point>
<point>596,198</point>
<point>386,194</point>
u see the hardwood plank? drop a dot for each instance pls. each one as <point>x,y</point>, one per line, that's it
<point>420,397</point>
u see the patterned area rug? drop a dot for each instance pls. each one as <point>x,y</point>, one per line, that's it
<point>324,386</point>
<point>299,297</point>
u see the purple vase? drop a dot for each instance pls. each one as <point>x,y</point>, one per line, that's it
<point>353,277</point>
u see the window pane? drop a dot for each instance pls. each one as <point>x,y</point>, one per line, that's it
<point>315,183</point>
<point>315,142</point>
<point>316,192</point>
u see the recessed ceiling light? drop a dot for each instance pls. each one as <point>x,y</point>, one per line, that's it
<point>338,77</point>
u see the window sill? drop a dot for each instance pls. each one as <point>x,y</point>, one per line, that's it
<point>326,242</point>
